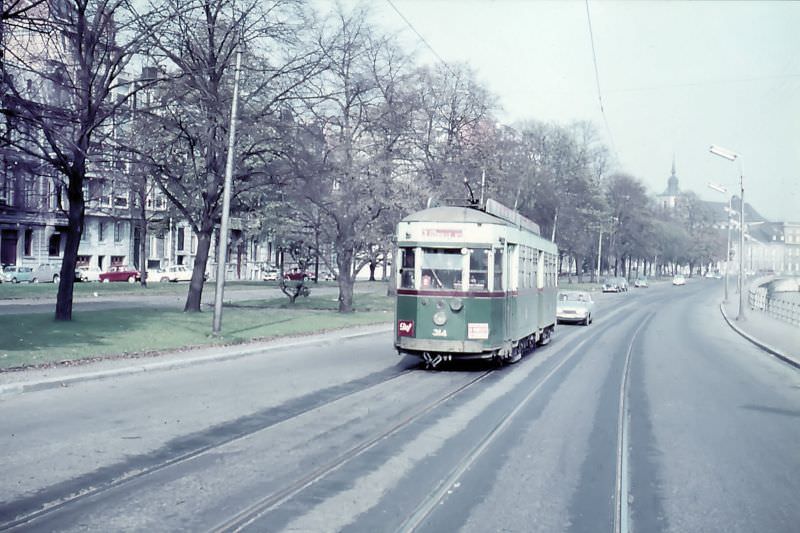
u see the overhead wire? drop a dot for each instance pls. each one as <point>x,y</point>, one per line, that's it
<point>597,81</point>
<point>421,38</point>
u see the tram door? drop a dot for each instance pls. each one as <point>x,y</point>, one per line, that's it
<point>509,267</point>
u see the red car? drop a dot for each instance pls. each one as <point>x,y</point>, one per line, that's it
<point>120,273</point>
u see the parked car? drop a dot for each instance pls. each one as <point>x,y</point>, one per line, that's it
<point>172,273</point>
<point>17,274</point>
<point>615,285</point>
<point>120,273</point>
<point>47,273</point>
<point>295,275</point>
<point>678,280</point>
<point>641,283</point>
<point>87,273</point>
<point>575,306</point>
<point>270,275</point>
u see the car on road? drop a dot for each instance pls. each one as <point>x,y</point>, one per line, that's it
<point>678,280</point>
<point>120,273</point>
<point>641,283</point>
<point>87,273</point>
<point>17,274</point>
<point>173,273</point>
<point>575,306</point>
<point>47,273</point>
<point>270,275</point>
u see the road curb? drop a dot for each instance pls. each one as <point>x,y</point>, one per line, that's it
<point>761,344</point>
<point>10,389</point>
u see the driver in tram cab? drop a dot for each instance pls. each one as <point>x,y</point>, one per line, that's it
<point>407,277</point>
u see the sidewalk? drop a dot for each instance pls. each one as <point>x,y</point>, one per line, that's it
<point>775,336</point>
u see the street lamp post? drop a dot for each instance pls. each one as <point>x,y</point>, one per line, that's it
<point>733,156</point>
<point>723,190</point>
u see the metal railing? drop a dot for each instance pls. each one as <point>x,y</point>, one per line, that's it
<point>781,305</point>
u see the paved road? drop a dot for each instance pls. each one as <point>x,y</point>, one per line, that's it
<point>658,417</point>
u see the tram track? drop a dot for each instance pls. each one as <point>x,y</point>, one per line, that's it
<point>64,502</point>
<point>253,512</point>
<point>621,489</point>
<point>621,513</point>
<point>249,515</point>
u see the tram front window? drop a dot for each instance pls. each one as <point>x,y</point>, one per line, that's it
<point>441,269</point>
<point>407,268</point>
<point>478,269</point>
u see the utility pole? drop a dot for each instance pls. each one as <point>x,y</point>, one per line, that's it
<point>741,317</point>
<point>222,246</point>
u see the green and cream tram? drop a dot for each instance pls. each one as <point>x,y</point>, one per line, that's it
<point>473,284</point>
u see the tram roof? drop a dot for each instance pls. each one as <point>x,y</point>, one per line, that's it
<point>472,215</point>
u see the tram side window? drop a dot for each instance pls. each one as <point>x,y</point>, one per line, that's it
<point>407,268</point>
<point>498,270</point>
<point>478,269</point>
<point>441,269</point>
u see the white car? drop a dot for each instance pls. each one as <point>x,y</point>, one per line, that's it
<point>678,280</point>
<point>575,306</point>
<point>270,275</point>
<point>87,273</point>
<point>172,273</point>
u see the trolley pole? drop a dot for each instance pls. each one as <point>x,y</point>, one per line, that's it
<point>222,245</point>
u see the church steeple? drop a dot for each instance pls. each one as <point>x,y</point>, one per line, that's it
<point>672,182</point>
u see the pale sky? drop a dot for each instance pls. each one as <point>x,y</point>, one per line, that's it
<point>676,77</point>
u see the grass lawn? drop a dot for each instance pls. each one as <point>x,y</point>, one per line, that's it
<point>14,291</point>
<point>37,339</point>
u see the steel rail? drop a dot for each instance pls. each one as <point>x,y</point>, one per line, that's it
<point>253,512</point>
<point>621,510</point>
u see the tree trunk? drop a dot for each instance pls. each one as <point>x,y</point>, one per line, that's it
<point>372,266</point>
<point>67,278</point>
<point>195,297</point>
<point>391,289</point>
<point>344,260</point>
<point>143,241</point>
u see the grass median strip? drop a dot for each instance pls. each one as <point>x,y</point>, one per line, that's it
<point>37,339</point>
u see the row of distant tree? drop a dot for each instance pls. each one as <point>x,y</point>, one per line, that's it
<point>341,132</point>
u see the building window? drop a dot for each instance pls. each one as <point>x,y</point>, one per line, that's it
<point>117,231</point>
<point>117,260</point>
<point>54,245</point>
<point>180,239</point>
<point>101,226</point>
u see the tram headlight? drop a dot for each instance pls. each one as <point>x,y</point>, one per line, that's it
<point>440,318</point>
<point>456,305</point>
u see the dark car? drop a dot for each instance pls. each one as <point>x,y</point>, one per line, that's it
<point>120,273</point>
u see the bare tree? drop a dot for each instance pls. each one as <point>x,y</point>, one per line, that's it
<point>348,143</point>
<point>64,62</point>
<point>189,129</point>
